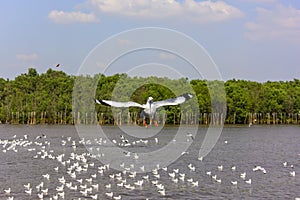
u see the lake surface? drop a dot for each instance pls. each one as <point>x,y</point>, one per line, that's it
<point>259,152</point>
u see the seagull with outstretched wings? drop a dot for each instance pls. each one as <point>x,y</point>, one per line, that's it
<point>150,107</point>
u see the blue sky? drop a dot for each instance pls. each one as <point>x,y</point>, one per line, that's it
<point>247,39</point>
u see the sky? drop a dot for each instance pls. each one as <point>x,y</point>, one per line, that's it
<point>256,40</point>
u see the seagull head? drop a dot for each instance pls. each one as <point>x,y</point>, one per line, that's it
<point>150,99</point>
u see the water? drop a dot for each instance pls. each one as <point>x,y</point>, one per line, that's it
<point>265,146</point>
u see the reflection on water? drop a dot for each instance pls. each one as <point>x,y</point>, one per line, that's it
<point>52,162</point>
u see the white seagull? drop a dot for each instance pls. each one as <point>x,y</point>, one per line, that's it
<point>150,106</point>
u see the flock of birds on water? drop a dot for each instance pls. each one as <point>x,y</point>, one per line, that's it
<point>80,173</point>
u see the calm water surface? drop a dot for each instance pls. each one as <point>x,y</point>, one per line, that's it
<point>25,160</point>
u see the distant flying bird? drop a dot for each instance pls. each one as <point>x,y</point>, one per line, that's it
<point>57,65</point>
<point>150,106</point>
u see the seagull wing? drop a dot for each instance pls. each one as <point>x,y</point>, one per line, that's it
<point>118,104</point>
<point>173,101</point>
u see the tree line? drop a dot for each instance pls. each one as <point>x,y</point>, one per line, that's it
<point>47,98</point>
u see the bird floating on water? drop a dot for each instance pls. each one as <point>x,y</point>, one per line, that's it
<point>190,135</point>
<point>150,106</point>
<point>7,191</point>
<point>293,173</point>
<point>248,181</point>
<point>234,182</point>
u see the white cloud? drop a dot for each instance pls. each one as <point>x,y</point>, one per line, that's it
<point>262,1</point>
<point>201,12</point>
<point>280,23</point>
<point>27,57</point>
<point>62,17</point>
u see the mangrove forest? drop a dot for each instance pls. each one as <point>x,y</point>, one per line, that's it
<point>46,98</point>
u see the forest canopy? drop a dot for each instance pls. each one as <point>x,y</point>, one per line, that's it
<point>47,97</point>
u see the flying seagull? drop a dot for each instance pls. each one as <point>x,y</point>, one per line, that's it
<point>150,106</point>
